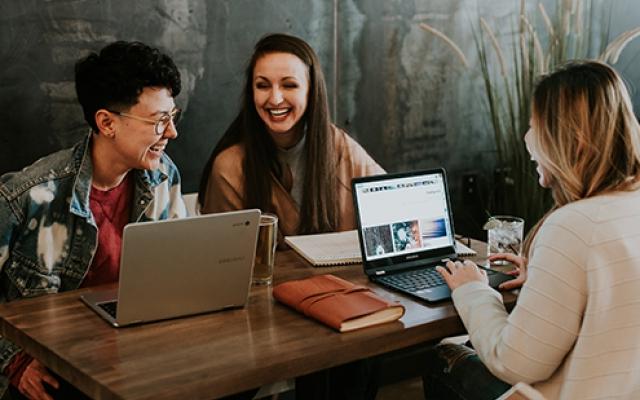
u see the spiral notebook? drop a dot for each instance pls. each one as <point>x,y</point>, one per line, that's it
<point>339,248</point>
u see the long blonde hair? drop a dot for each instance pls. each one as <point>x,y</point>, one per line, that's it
<point>585,134</point>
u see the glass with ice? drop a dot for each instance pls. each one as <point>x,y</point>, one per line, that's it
<point>504,235</point>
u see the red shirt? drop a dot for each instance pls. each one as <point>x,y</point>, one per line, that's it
<point>111,210</point>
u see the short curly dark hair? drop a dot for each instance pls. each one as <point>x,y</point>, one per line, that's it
<point>115,78</point>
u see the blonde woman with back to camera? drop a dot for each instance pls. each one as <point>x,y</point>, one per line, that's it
<point>573,333</point>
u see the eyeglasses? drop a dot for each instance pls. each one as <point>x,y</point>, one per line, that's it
<point>161,124</point>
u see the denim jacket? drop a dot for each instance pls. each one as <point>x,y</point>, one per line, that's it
<point>48,235</point>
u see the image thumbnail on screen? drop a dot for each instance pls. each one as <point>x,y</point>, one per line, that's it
<point>377,240</point>
<point>406,235</point>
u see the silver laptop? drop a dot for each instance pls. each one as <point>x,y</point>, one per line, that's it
<point>180,267</point>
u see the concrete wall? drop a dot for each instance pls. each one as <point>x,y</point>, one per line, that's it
<point>400,91</point>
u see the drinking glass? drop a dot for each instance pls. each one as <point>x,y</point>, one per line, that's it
<point>266,249</point>
<point>504,235</point>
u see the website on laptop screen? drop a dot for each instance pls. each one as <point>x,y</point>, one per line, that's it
<point>404,215</point>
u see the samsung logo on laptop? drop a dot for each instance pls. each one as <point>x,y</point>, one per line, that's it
<point>231,259</point>
<point>412,256</point>
<point>245,223</point>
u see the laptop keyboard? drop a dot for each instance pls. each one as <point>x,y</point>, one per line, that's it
<point>414,280</point>
<point>110,307</point>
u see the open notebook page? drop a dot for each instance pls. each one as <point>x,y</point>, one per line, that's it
<point>339,248</point>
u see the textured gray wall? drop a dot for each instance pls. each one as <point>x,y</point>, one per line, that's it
<point>399,90</point>
<point>410,101</point>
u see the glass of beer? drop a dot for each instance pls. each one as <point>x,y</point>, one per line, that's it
<point>266,250</point>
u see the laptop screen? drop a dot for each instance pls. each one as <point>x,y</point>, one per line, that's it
<point>402,217</point>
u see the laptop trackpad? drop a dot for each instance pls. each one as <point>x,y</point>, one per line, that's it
<point>497,277</point>
<point>436,293</point>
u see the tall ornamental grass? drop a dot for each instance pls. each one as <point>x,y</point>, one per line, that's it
<point>538,43</point>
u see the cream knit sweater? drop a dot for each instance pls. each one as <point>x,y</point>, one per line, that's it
<point>575,331</point>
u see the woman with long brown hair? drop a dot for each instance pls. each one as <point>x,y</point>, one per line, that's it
<point>282,154</point>
<point>573,333</point>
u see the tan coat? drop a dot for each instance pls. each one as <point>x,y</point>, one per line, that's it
<point>226,184</point>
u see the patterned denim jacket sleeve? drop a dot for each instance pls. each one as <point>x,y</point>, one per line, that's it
<point>158,196</point>
<point>14,194</point>
<point>8,224</point>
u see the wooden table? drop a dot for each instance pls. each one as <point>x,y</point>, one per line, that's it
<point>215,354</point>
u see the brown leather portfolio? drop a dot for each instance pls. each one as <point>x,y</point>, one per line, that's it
<point>336,302</point>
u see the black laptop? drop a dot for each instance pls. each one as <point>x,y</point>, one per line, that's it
<point>405,227</point>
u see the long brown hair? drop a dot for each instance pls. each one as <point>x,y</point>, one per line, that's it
<point>318,211</point>
<point>585,133</point>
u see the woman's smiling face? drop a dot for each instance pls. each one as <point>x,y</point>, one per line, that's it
<point>280,95</point>
<point>544,177</point>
